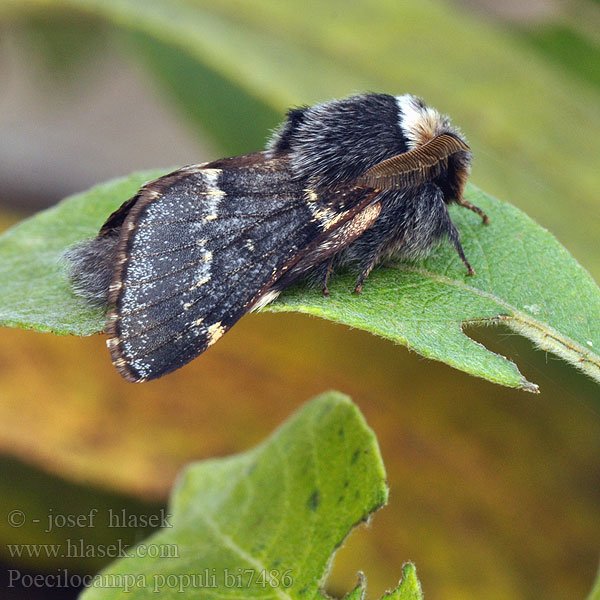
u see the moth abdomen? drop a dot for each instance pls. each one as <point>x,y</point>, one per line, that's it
<point>91,266</point>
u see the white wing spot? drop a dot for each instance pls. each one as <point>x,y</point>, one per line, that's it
<point>265,299</point>
<point>213,174</point>
<point>214,333</point>
<point>331,222</point>
<point>311,195</point>
<point>149,193</point>
<point>195,168</point>
<point>326,217</point>
<point>200,283</point>
<point>213,192</point>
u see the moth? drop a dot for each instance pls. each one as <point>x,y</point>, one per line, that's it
<point>346,183</point>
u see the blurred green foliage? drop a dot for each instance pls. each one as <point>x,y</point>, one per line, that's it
<point>63,43</point>
<point>576,54</point>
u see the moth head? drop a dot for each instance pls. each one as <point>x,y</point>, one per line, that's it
<point>421,125</point>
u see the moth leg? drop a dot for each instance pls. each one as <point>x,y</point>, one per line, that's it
<point>326,277</point>
<point>455,239</point>
<point>364,275</point>
<point>456,242</point>
<point>475,209</point>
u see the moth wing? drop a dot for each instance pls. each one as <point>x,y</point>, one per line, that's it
<point>199,247</point>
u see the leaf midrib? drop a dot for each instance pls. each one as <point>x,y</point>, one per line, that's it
<point>230,543</point>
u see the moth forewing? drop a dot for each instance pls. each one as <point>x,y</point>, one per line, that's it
<point>201,247</point>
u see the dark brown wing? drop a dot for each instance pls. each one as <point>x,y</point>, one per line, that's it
<point>203,245</point>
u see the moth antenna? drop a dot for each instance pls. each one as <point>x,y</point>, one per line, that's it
<point>415,166</point>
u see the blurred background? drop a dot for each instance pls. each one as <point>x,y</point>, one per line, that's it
<point>495,493</point>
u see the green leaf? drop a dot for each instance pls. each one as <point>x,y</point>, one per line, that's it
<point>524,279</point>
<point>595,593</point>
<point>267,522</point>
<point>409,588</point>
